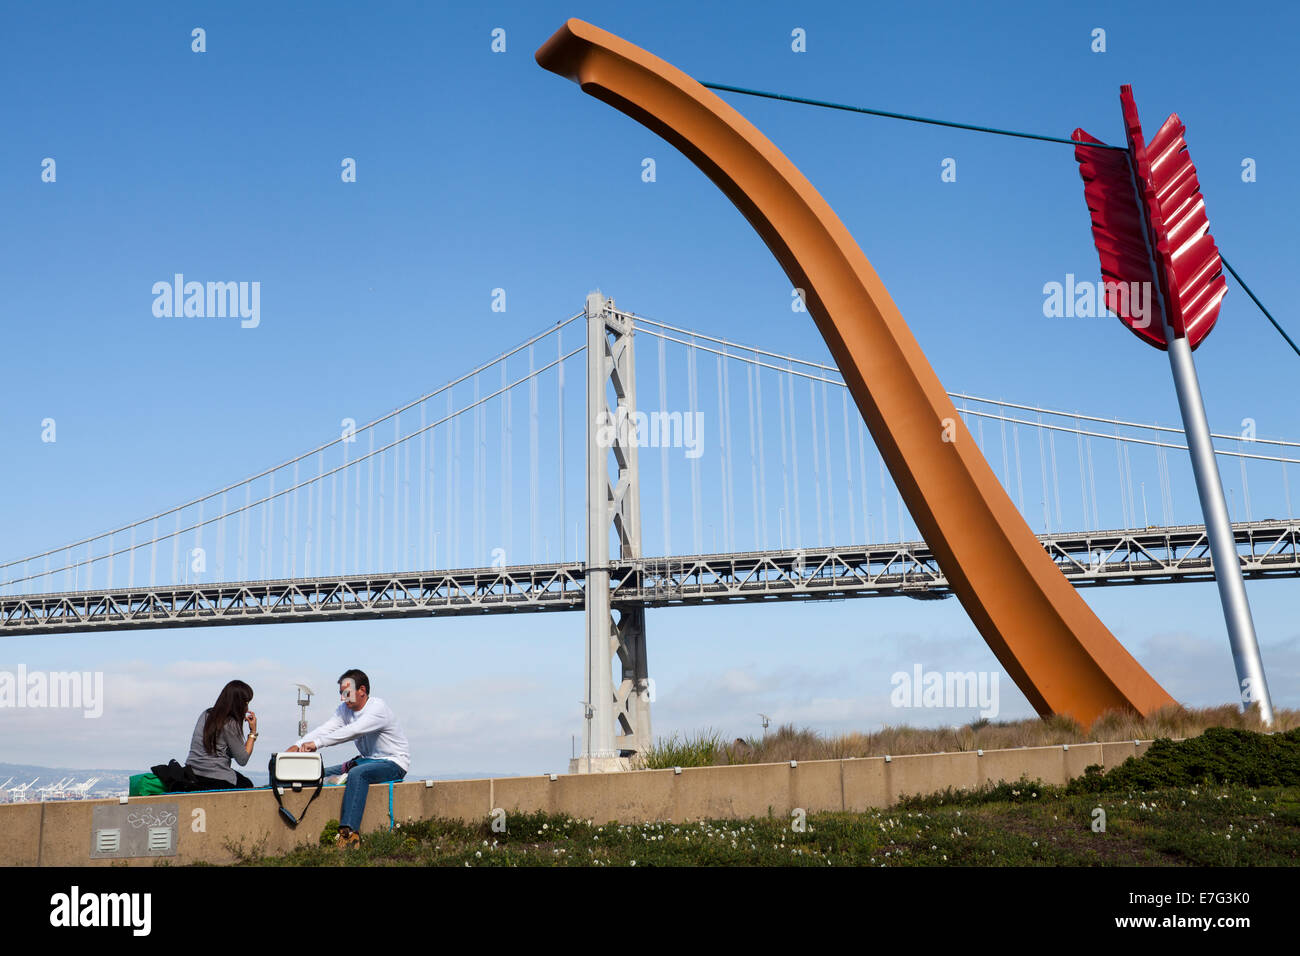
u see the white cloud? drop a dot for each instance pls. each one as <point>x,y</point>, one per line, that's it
<point>465,711</point>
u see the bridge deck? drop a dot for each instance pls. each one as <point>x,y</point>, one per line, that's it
<point>1091,559</point>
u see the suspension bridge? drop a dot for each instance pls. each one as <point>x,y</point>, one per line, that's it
<point>740,475</point>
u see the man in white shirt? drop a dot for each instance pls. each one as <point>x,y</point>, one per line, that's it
<point>384,753</point>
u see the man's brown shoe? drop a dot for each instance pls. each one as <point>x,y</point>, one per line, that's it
<point>350,842</point>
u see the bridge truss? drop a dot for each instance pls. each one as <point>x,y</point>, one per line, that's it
<point>1267,549</point>
<point>321,520</point>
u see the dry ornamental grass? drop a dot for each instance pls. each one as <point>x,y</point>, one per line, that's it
<point>709,748</point>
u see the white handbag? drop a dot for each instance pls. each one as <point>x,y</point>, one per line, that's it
<point>295,771</point>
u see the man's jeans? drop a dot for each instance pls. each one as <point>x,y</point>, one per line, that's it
<point>362,772</point>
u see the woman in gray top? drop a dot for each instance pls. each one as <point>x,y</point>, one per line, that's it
<point>218,737</point>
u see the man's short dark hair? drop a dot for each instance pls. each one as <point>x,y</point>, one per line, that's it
<point>359,679</point>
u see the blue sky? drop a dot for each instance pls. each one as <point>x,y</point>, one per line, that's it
<point>479,170</point>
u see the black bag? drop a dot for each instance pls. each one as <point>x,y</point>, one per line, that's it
<point>175,777</point>
<point>294,771</point>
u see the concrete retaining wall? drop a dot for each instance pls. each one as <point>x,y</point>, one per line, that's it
<point>218,827</point>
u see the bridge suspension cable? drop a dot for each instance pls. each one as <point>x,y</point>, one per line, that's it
<point>418,512</point>
<point>389,533</point>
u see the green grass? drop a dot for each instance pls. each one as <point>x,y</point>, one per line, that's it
<point>1020,824</point>
<point>1225,798</point>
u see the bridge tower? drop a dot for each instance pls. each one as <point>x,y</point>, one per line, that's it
<point>617,724</point>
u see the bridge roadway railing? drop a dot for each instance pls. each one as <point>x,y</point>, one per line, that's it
<point>1091,559</point>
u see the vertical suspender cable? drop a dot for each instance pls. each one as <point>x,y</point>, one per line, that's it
<point>755,536</point>
<point>1128,484</point>
<point>267,518</point>
<point>1056,479</point>
<point>422,528</point>
<point>481,427</point>
<point>429,532</point>
<point>762,463</point>
<point>383,501</point>
<point>1166,499</point>
<point>1286,490</point>
<point>476,556</point>
<point>320,509</point>
<point>271,541</point>
<point>731,468</point>
<point>830,468</point>
<point>284,556</point>
<point>692,389</point>
<point>817,461</point>
<point>356,518</point>
<point>848,467</point>
<point>241,552</point>
<point>1169,490</point>
<point>369,566</point>
<point>1085,523</point>
<point>726,459</point>
<point>1245,481</point>
<point>534,509</point>
<point>339,512</point>
<point>559,416</point>
<point>1006,470</point>
<point>1164,491</point>
<point>1042,465</point>
<point>1128,474</point>
<point>448,513</point>
<point>292,533</point>
<point>1020,482</point>
<point>221,542</point>
<point>1092,485</point>
<point>453,546</point>
<point>176,551</point>
<point>1119,468</point>
<point>797,540</point>
<point>784,515</point>
<point>405,562</point>
<point>481,481</point>
<point>507,500</point>
<point>862,475</point>
<point>665,497</point>
<point>884,507</point>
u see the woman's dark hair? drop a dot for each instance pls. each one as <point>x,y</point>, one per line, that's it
<point>232,704</point>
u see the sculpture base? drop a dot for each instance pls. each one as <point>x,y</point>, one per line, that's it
<point>599,764</point>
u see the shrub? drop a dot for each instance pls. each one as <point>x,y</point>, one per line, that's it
<point>1219,755</point>
<point>328,835</point>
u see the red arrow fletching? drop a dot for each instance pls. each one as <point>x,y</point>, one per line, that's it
<point>1119,231</point>
<point>1147,204</point>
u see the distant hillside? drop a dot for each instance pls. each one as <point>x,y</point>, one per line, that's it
<point>109,780</point>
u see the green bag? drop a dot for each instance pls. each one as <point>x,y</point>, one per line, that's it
<point>145,785</point>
